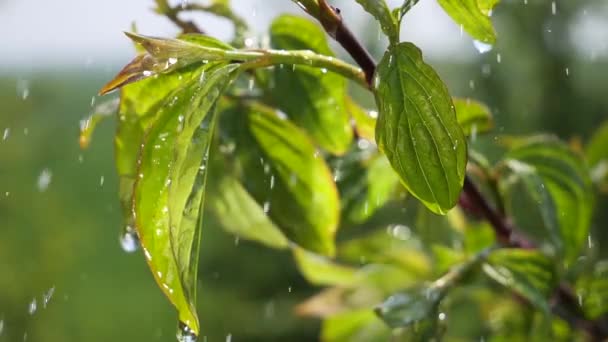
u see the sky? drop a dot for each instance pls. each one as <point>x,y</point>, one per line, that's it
<point>70,33</point>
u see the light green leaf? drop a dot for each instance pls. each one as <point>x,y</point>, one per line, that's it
<point>527,272</point>
<point>473,116</point>
<point>596,152</point>
<point>311,97</point>
<point>319,270</point>
<point>354,326</point>
<point>170,186</point>
<point>373,187</point>
<point>472,15</point>
<point>239,213</point>
<point>304,201</point>
<point>417,128</point>
<point>566,179</point>
<point>379,9</point>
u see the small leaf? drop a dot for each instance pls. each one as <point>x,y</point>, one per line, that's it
<point>319,270</point>
<point>170,187</point>
<point>472,15</point>
<point>313,98</point>
<point>417,128</point>
<point>240,214</point>
<point>474,117</point>
<point>527,272</point>
<point>379,9</point>
<point>304,201</point>
<point>566,179</point>
<point>409,307</point>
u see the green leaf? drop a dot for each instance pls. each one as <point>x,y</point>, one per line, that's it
<point>311,97</point>
<point>354,326</point>
<point>527,272</point>
<point>239,213</point>
<point>473,116</point>
<point>472,15</point>
<point>596,152</point>
<point>409,307</point>
<point>379,9</point>
<point>566,179</point>
<point>304,200</point>
<point>170,186</point>
<point>417,128</point>
<point>319,270</point>
<point>374,187</point>
<point>593,291</point>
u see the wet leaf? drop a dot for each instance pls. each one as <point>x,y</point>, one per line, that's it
<point>417,128</point>
<point>379,9</point>
<point>304,201</point>
<point>170,186</point>
<point>566,179</point>
<point>472,15</point>
<point>313,98</point>
<point>319,270</point>
<point>527,272</point>
<point>473,116</point>
<point>240,214</point>
<point>409,307</point>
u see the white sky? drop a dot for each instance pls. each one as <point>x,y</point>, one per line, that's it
<point>41,34</point>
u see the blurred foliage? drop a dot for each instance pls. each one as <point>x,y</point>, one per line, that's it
<point>65,278</point>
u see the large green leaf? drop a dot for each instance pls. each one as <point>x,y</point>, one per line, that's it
<point>304,200</point>
<point>527,272</point>
<point>379,9</point>
<point>239,213</point>
<point>473,17</point>
<point>311,97</point>
<point>473,116</point>
<point>564,176</point>
<point>417,128</point>
<point>170,185</point>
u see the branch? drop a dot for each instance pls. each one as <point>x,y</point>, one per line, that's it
<point>563,301</point>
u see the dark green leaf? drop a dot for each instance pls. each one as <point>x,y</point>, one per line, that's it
<point>239,213</point>
<point>417,128</point>
<point>170,186</point>
<point>473,116</point>
<point>409,307</point>
<point>566,179</point>
<point>472,15</point>
<point>311,97</point>
<point>379,9</point>
<point>527,272</point>
<point>304,201</point>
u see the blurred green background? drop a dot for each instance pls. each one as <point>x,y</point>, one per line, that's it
<point>63,274</point>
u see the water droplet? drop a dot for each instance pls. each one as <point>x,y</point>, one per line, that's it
<point>46,297</point>
<point>399,231</point>
<point>229,338</point>
<point>32,307</point>
<point>102,180</point>
<point>289,289</point>
<point>553,8</point>
<point>7,132</point>
<point>1,326</point>
<point>266,207</point>
<point>498,58</point>
<point>44,179</point>
<point>23,89</point>
<point>185,334</point>
<point>482,47</point>
<point>442,316</point>
<point>129,241</point>
<point>567,71</point>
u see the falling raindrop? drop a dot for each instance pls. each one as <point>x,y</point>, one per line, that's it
<point>102,180</point>
<point>1,326</point>
<point>289,289</point>
<point>185,334</point>
<point>23,89</point>
<point>46,297</point>
<point>482,47</point>
<point>44,179</point>
<point>553,8</point>
<point>129,241</point>
<point>567,71</point>
<point>498,58</point>
<point>32,307</point>
<point>442,316</point>
<point>229,338</point>
<point>7,132</point>
<point>399,231</point>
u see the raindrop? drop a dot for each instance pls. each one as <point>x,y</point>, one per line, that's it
<point>46,297</point>
<point>129,241</point>
<point>32,307</point>
<point>266,207</point>
<point>289,289</point>
<point>553,8</point>
<point>482,47</point>
<point>567,71</point>
<point>363,144</point>
<point>498,58</point>
<point>229,338</point>
<point>399,231</point>
<point>7,132</point>
<point>442,316</point>
<point>23,89</point>
<point>472,84</point>
<point>1,326</point>
<point>185,334</point>
<point>102,180</point>
<point>44,179</point>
